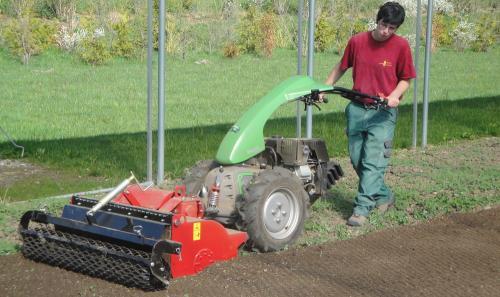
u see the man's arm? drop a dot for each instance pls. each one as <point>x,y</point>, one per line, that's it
<point>335,75</point>
<point>397,93</point>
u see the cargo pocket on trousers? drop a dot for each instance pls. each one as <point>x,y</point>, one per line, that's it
<point>387,148</point>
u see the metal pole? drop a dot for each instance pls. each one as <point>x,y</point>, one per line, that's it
<point>298,132</point>
<point>150,94</point>
<point>161,95</point>
<point>310,66</point>
<point>428,37</point>
<point>416,55</point>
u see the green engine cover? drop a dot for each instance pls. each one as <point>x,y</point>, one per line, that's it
<point>245,139</point>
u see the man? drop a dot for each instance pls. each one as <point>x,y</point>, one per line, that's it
<point>382,66</point>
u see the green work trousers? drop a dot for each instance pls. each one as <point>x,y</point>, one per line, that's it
<point>370,133</point>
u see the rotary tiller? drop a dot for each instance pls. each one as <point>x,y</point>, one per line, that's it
<point>140,239</point>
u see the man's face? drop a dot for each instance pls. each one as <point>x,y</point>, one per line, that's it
<point>383,31</point>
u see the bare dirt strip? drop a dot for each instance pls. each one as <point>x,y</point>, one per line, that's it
<point>456,255</point>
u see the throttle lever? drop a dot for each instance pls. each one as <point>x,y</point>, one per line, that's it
<point>305,106</point>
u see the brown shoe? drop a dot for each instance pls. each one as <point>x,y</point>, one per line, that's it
<point>357,220</point>
<point>384,207</point>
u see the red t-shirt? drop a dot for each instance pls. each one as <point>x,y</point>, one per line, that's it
<point>378,66</point>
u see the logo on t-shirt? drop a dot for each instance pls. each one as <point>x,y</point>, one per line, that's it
<point>385,63</point>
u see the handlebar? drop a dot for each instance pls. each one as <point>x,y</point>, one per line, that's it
<point>355,96</point>
<point>358,97</point>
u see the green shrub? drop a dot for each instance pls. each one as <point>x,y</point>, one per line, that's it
<point>174,5</point>
<point>293,7</point>
<point>281,6</point>
<point>43,9</point>
<point>173,36</point>
<point>257,32</point>
<point>486,30</point>
<point>94,49</point>
<point>360,25</point>
<point>187,4</point>
<point>178,32</point>
<point>156,25</point>
<point>122,44</point>
<point>64,10</point>
<point>126,34</point>
<point>231,50</point>
<point>257,4</point>
<point>346,21</point>
<point>286,31</point>
<point>179,5</point>
<point>463,35</point>
<point>17,8</point>
<point>442,28</point>
<point>229,9</point>
<point>343,33</point>
<point>249,31</point>
<point>44,32</point>
<point>324,33</point>
<point>139,34</point>
<point>27,36</point>
<point>267,40</point>
<point>3,6</point>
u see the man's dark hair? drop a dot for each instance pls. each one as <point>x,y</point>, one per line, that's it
<point>391,13</point>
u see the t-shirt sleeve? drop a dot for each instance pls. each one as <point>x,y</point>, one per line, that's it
<point>406,69</point>
<point>348,57</point>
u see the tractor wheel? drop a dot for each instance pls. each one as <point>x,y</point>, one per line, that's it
<point>273,210</point>
<point>195,176</point>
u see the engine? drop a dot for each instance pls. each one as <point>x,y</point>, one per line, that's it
<point>308,158</point>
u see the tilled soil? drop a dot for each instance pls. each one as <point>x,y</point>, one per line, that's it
<point>457,255</point>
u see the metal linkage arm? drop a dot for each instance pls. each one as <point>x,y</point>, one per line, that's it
<point>111,195</point>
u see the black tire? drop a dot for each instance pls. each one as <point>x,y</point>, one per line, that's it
<point>273,210</point>
<point>195,176</point>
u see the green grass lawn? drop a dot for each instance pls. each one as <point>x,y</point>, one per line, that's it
<point>90,121</point>
<point>57,97</point>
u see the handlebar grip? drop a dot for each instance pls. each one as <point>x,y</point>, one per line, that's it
<point>382,101</point>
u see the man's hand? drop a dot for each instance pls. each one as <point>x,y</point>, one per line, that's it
<point>397,93</point>
<point>392,101</point>
<point>321,97</point>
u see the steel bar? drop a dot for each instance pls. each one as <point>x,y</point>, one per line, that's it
<point>161,95</point>
<point>310,63</point>
<point>149,128</point>
<point>300,41</point>
<point>428,40</point>
<point>418,31</point>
